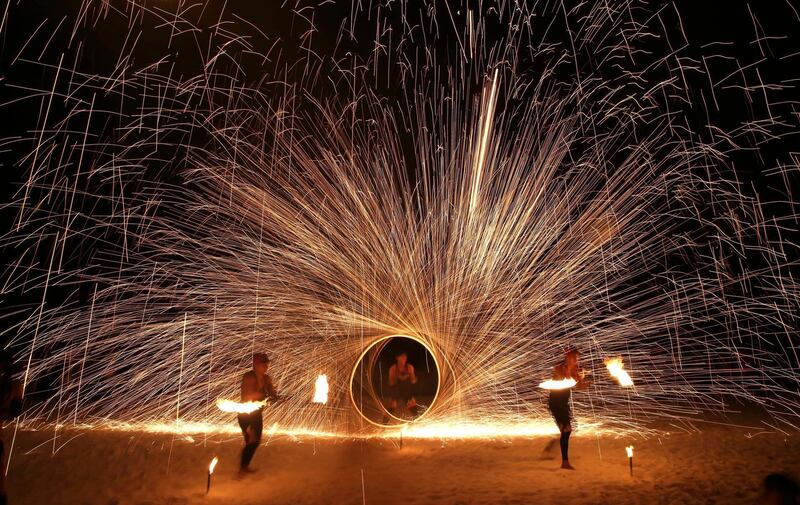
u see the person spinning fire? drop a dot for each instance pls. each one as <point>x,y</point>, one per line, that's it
<point>402,379</point>
<point>256,386</point>
<point>559,401</point>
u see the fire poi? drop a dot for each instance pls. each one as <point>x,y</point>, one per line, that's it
<point>554,384</point>
<point>239,407</point>
<point>617,371</point>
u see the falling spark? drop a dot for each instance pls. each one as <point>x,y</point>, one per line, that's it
<point>617,371</point>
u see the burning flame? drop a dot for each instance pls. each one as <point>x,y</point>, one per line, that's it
<point>239,407</point>
<point>321,389</point>
<point>629,450</point>
<point>558,384</point>
<point>616,369</point>
<point>212,465</point>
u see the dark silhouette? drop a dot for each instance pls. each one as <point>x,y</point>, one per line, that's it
<point>780,489</point>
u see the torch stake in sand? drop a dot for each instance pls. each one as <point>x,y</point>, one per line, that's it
<point>629,450</point>
<point>210,472</point>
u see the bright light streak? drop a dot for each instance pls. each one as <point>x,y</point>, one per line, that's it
<point>239,407</point>
<point>629,451</point>
<point>321,389</point>
<point>558,384</point>
<point>617,371</point>
<point>212,465</point>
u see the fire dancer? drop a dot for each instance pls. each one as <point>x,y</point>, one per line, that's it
<point>256,386</point>
<point>559,401</point>
<point>10,407</point>
<point>402,379</point>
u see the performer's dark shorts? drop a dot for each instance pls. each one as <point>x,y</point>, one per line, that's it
<point>402,392</point>
<point>562,413</point>
<point>254,421</point>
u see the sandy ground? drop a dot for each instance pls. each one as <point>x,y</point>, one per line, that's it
<point>718,465</point>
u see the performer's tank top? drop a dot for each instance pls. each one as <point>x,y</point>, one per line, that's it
<point>403,376</point>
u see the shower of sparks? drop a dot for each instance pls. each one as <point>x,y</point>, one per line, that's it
<point>500,181</point>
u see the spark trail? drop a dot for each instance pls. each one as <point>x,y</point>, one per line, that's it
<point>498,181</point>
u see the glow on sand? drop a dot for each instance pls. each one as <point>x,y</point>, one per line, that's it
<point>420,430</point>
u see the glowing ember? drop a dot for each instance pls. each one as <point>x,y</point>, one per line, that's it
<point>616,369</point>
<point>629,450</point>
<point>239,407</point>
<point>213,465</point>
<point>321,389</point>
<point>558,384</point>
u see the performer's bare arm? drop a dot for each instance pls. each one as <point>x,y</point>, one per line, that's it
<point>412,375</point>
<point>393,375</point>
<point>584,380</point>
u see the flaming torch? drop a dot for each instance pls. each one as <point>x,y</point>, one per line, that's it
<point>617,371</point>
<point>321,389</point>
<point>211,471</point>
<point>558,384</point>
<point>239,407</point>
<point>629,450</point>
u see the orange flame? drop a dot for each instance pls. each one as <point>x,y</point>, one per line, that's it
<point>321,389</point>
<point>629,450</point>
<point>558,384</point>
<point>212,465</point>
<point>617,370</point>
<point>239,407</point>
